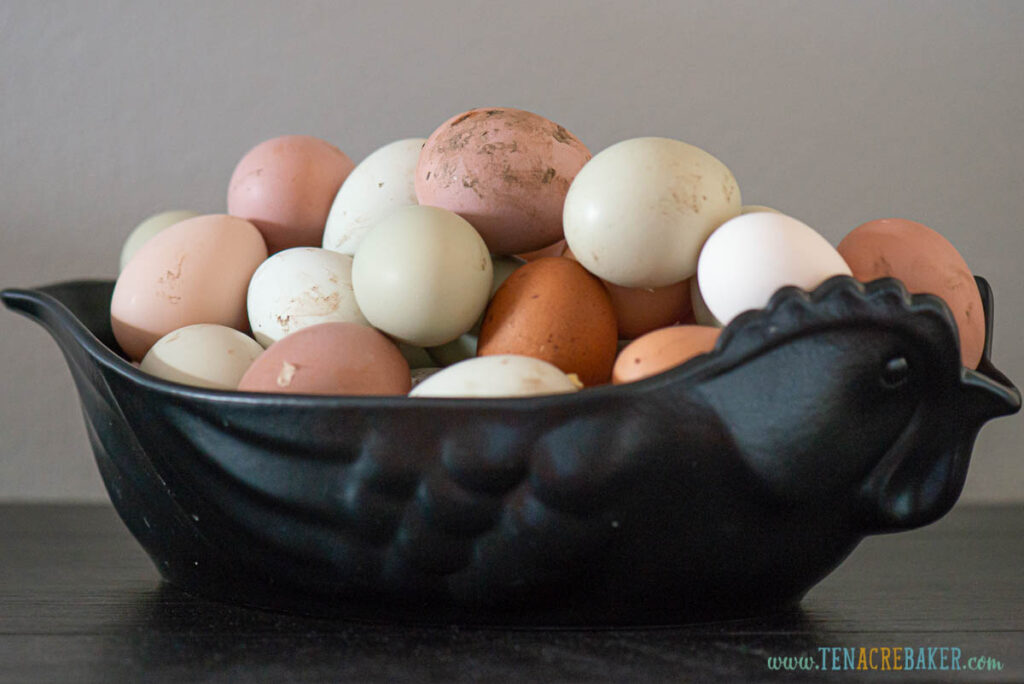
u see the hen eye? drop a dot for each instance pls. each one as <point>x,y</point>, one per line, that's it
<point>895,372</point>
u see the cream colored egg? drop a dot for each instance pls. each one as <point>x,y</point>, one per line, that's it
<point>141,234</point>
<point>637,214</point>
<point>381,182</point>
<point>202,355</point>
<point>751,256</point>
<point>496,376</point>
<point>300,287</point>
<point>422,275</point>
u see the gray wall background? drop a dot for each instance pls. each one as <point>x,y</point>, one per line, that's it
<point>835,112</point>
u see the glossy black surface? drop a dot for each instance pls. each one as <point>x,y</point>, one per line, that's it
<point>728,486</point>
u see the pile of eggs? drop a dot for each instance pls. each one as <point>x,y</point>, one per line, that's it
<point>494,258</point>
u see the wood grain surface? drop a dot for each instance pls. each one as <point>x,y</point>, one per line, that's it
<point>80,602</point>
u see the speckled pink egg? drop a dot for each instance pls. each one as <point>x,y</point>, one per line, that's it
<point>505,171</point>
<point>330,358</point>
<point>285,186</point>
<point>196,271</point>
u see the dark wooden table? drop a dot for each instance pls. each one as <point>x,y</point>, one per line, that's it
<point>80,602</point>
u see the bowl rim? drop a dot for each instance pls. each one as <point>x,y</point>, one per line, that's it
<point>728,349</point>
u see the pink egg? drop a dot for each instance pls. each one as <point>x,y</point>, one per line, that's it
<point>505,171</point>
<point>285,186</point>
<point>196,271</point>
<point>330,358</point>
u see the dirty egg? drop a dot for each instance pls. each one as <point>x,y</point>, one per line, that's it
<point>300,287</point>
<point>195,271</point>
<point>378,184</point>
<point>506,171</point>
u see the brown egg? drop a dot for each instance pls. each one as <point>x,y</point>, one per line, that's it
<point>658,351</point>
<point>553,310</point>
<point>640,310</point>
<point>196,271</point>
<point>505,171</point>
<point>286,186</point>
<point>926,262</point>
<point>330,358</point>
<point>557,249</point>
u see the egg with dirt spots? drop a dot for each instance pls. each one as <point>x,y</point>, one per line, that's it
<point>926,262</point>
<point>300,287</point>
<point>330,358</point>
<point>638,213</point>
<point>196,271</point>
<point>552,309</point>
<point>378,184</point>
<point>506,171</point>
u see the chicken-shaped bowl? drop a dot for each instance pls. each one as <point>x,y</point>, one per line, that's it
<point>725,487</point>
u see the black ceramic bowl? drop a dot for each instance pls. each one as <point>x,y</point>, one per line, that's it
<point>725,487</point>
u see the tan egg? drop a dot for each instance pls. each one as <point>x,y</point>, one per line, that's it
<point>926,262</point>
<point>506,171</point>
<point>658,351</point>
<point>640,310</point>
<point>552,309</point>
<point>202,355</point>
<point>286,186</point>
<point>330,358</point>
<point>196,271</point>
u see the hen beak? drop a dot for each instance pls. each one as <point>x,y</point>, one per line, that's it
<point>987,398</point>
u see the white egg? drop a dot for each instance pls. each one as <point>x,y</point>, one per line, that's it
<point>502,375</point>
<point>300,287</point>
<point>202,355</point>
<point>422,275</point>
<point>141,234</point>
<point>700,310</point>
<point>637,214</point>
<point>749,257</point>
<point>380,183</point>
